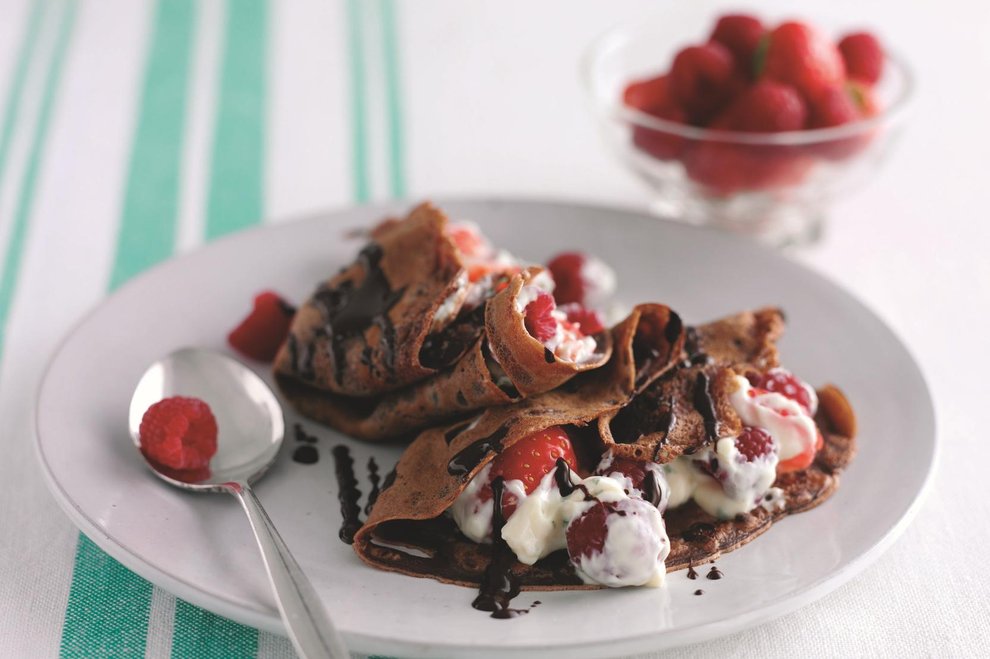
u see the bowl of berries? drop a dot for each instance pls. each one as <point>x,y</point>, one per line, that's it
<point>755,129</point>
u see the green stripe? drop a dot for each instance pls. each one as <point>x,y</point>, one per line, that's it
<point>237,185</point>
<point>108,608</point>
<point>25,199</point>
<point>199,633</point>
<point>12,107</point>
<point>359,103</point>
<point>151,200</point>
<point>393,98</point>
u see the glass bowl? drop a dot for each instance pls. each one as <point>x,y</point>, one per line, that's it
<point>774,187</point>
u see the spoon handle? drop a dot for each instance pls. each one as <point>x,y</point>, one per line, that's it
<point>310,629</point>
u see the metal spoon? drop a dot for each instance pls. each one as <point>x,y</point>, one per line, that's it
<point>251,429</point>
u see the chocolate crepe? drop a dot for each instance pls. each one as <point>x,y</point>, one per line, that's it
<point>368,355</point>
<point>653,360</point>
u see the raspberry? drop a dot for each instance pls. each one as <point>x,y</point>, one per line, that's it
<point>568,283</point>
<point>863,57</point>
<point>753,443</point>
<point>768,107</point>
<point>539,320</point>
<point>741,34</point>
<point>588,321</point>
<point>801,56</point>
<point>636,471</point>
<point>265,328</point>
<point>701,78</point>
<point>783,382</point>
<point>586,534</point>
<point>180,433</point>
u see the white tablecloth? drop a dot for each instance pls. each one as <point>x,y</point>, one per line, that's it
<point>483,99</point>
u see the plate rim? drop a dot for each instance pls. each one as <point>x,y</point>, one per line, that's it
<point>264,620</point>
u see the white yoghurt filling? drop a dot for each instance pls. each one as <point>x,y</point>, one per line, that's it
<point>783,418</point>
<point>538,527</point>
<point>742,485</point>
<point>636,546</point>
<point>452,305</point>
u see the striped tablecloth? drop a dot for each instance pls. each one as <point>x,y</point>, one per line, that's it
<point>134,129</point>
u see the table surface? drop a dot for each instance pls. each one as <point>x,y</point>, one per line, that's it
<point>124,119</point>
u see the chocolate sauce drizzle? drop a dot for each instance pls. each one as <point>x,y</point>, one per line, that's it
<point>651,488</point>
<point>692,574</point>
<point>699,592</point>
<point>703,402</point>
<point>453,432</point>
<point>373,477</point>
<point>468,458</point>
<point>443,348</point>
<point>302,436</point>
<point>349,310</point>
<point>548,355</point>
<point>348,494</point>
<point>714,574</point>
<point>499,585</point>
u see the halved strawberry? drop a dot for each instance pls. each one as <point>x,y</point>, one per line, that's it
<point>802,460</point>
<point>529,460</point>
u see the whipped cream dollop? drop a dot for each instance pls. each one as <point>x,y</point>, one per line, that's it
<point>720,479</point>
<point>784,418</point>
<point>634,549</point>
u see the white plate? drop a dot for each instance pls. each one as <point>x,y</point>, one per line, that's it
<point>199,546</point>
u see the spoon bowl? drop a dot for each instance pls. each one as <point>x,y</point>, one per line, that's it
<point>250,430</point>
<point>249,419</point>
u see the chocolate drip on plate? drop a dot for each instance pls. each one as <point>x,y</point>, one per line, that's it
<point>306,454</point>
<point>347,493</point>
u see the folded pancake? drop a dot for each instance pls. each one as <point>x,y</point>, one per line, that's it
<point>392,345</point>
<point>435,468</point>
<point>654,361</point>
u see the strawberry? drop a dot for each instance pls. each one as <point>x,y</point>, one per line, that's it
<point>649,95</point>
<point>800,56</point>
<point>754,443</point>
<point>260,334</point>
<point>741,34</point>
<point>840,105</point>
<point>588,321</point>
<point>768,107</point>
<point>784,382</point>
<point>661,144</point>
<point>529,460</point>
<point>863,57</point>
<point>467,240</point>
<point>833,106</point>
<point>802,460</point>
<point>725,169</point>
<point>540,323</point>
<point>179,433</point>
<point>701,79</point>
